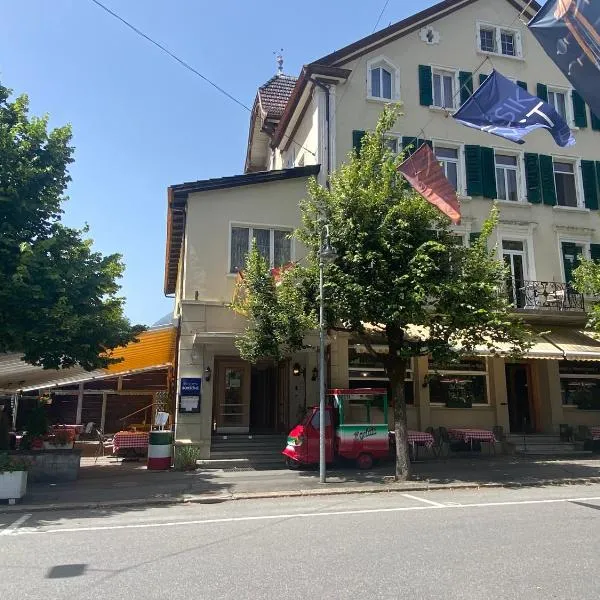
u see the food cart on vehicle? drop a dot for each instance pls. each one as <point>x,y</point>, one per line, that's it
<point>356,427</point>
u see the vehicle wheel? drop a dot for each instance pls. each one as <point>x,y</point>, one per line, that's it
<point>292,464</point>
<point>364,461</point>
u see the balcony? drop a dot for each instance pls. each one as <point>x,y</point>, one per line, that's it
<point>544,297</point>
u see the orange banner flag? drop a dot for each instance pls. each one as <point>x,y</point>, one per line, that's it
<point>424,172</point>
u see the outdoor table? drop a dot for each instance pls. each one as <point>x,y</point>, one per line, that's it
<point>595,432</point>
<point>468,435</point>
<point>76,429</point>
<point>420,438</point>
<point>130,440</point>
<point>417,438</point>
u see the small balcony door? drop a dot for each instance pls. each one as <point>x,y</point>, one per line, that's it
<point>515,258</point>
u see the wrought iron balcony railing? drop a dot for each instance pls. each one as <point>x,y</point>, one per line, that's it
<point>544,295</point>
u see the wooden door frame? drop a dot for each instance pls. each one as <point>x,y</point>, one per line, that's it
<point>221,363</point>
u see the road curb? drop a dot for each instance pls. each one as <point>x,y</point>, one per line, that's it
<point>325,491</point>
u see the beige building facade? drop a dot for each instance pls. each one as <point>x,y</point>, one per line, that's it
<point>306,126</point>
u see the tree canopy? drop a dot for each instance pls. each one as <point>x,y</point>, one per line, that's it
<point>586,280</point>
<point>58,298</point>
<point>401,277</point>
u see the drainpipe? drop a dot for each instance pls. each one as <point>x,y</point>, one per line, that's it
<point>327,125</point>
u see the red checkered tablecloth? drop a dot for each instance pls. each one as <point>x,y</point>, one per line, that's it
<point>76,429</point>
<point>466,435</point>
<point>422,438</point>
<point>130,439</point>
<point>595,433</point>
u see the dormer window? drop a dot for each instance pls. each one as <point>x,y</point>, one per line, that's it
<point>383,80</point>
<point>502,41</point>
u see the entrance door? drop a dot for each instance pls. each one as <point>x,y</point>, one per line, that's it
<point>513,252</point>
<point>520,414</point>
<point>263,404</point>
<point>231,408</point>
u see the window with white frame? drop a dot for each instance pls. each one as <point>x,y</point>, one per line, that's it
<point>392,143</point>
<point>565,182</point>
<point>449,159</point>
<point>558,99</point>
<point>383,80</point>
<point>507,176</point>
<point>444,88</point>
<point>503,41</point>
<point>571,252</point>
<point>275,245</point>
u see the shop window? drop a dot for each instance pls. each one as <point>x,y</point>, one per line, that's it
<point>464,381</point>
<point>365,372</point>
<point>580,384</point>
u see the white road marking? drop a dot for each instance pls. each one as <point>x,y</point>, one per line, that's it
<point>431,502</point>
<point>12,528</point>
<point>370,511</point>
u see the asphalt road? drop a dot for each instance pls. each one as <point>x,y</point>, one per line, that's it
<point>536,543</point>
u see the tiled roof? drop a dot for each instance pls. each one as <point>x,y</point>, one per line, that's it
<point>275,94</point>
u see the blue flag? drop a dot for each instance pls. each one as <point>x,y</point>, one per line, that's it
<point>501,107</point>
<point>569,32</point>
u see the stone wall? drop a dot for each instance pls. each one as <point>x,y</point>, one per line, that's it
<point>52,465</point>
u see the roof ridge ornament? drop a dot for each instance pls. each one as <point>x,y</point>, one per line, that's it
<point>279,60</point>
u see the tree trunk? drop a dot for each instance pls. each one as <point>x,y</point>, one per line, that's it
<point>397,373</point>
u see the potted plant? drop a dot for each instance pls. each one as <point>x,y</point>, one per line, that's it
<point>13,477</point>
<point>36,428</point>
<point>61,439</point>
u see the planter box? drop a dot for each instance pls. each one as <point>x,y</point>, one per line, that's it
<point>52,465</point>
<point>12,484</point>
<point>49,446</point>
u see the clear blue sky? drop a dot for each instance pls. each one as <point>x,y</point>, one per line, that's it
<point>142,122</point>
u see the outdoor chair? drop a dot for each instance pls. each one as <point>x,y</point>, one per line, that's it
<point>104,441</point>
<point>565,432</point>
<point>498,432</point>
<point>582,433</point>
<point>436,445</point>
<point>444,440</point>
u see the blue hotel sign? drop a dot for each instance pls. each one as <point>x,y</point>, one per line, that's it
<point>189,394</point>
<point>190,386</point>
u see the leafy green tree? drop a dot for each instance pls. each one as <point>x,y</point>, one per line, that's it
<point>58,298</point>
<point>276,309</point>
<point>586,280</point>
<point>400,277</point>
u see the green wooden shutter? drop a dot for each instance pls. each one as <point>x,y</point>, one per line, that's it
<point>473,237</point>
<point>542,92</point>
<point>473,170</point>
<point>595,251</point>
<point>482,78</point>
<point>532,178</point>
<point>465,80</point>
<point>547,179</point>
<point>579,111</point>
<point>595,122</point>
<point>598,173</point>
<point>590,187</point>
<point>357,140</point>
<point>571,252</point>
<point>425,85</point>
<point>522,85</point>
<point>488,173</point>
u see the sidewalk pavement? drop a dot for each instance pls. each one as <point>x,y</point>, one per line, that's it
<point>110,483</point>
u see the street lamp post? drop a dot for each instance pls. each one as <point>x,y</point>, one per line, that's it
<point>327,254</point>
